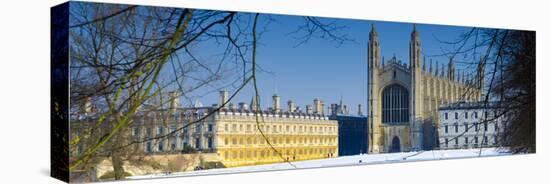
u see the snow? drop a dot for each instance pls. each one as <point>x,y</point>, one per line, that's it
<point>364,159</point>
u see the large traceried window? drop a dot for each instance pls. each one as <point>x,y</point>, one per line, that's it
<point>395,104</point>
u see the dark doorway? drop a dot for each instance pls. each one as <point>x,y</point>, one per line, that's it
<point>395,145</point>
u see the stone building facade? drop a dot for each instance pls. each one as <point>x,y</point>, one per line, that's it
<point>403,99</point>
<point>470,125</point>
<point>233,134</point>
<point>294,136</point>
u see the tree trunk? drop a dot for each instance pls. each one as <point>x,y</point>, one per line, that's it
<point>118,162</point>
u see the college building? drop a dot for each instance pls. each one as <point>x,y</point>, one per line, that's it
<point>470,125</point>
<point>233,133</point>
<point>404,97</point>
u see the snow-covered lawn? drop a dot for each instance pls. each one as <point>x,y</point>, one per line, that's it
<point>344,161</point>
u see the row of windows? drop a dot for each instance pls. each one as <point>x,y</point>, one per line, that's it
<point>160,145</point>
<point>161,130</point>
<point>280,140</point>
<point>173,146</point>
<point>475,126</point>
<point>279,128</point>
<point>180,116</point>
<point>466,115</point>
<point>288,153</point>
<point>470,140</point>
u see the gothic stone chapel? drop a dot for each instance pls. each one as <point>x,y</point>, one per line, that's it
<point>403,99</point>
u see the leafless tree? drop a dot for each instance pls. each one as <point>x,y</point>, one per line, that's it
<point>125,57</point>
<point>508,57</point>
<point>120,57</point>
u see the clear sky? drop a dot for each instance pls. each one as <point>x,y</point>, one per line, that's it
<point>322,69</point>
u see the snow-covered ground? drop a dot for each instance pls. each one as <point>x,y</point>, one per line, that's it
<point>344,161</point>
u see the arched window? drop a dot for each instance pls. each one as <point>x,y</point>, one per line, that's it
<point>395,104</point>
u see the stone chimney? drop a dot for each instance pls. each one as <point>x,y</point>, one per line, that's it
<point>291,106</point>
<point>276,103</point>
<point>174,100</point>
<point>318,106</point>
<point>309,109</point>
<point>345,109</point>
<point>254,104</point>
<point>224,96</point>
<point>243,106</point>
<point>322,108</point>
<point>333,109</point>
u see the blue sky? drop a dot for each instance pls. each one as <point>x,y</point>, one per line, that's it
<point>322,69</point>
